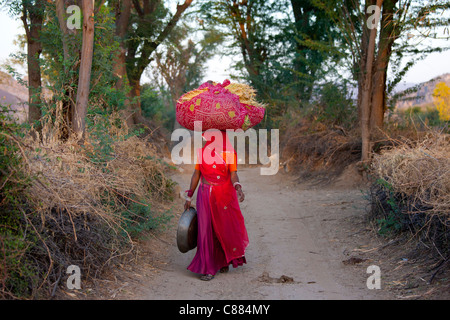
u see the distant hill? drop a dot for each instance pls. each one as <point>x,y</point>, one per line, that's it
<point>403,86</point>
<point>15,95</point>
<point>423,96</point>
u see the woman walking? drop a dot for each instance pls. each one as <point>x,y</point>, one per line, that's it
<point>222,236</point>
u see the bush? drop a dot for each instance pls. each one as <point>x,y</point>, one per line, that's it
<point>410,190</point>
<point>420,117</point>
<point>335,106</point>
<point>63,204</point>
<point>18,273</point>
<point>156,105</point>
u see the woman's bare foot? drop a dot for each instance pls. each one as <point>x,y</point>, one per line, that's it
<point>207,277</point>
<point>224,269</point>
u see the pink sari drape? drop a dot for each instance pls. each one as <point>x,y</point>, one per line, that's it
<point>219,214</point>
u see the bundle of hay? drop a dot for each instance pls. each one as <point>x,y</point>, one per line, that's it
<point>411,189</point>
<point>419,171</point>
<point>220,106</point>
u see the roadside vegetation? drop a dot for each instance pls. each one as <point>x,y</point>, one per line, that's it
<point>86,174</point>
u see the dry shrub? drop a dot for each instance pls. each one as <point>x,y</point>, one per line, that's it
<point>77,210</point>
<point>312,150</point>
<point>411,189</point>
<point>68,179</point>
<point>420,170</point>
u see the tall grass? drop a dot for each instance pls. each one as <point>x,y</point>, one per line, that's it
<point>64,204</point>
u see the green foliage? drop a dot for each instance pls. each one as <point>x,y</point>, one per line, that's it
<point>391,219</point>
<point>316,42</point>
<point>103,91</point>
<point>181,63</point>
<point>144,30</point>
<point>25,262</point>
<point>420,117</point>
<point>156,104</point>
<point>259,48</point>
<point>288,49</point>
<point>60,69</point>
<point>98,126</point>
<point>17,273</point>
<point>335,106</point>
<point>388,225</point>
<point>332,107</point>
<point>139,217</point>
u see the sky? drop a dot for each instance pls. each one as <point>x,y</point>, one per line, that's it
<point>219,68</point>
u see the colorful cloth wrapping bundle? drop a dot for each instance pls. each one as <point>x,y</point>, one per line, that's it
<point>220,106</point>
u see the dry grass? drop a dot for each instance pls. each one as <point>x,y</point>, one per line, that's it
<point>410,192</point>
<point>247,94</point>
<point>420,170</point>
<point>319,153</point>
<point>78,210</point>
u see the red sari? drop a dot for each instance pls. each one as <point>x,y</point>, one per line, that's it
<point>222,237</point>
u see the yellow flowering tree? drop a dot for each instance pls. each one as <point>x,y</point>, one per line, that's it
<point>441,95</point>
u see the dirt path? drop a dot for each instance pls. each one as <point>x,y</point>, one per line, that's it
<point>299,238</point>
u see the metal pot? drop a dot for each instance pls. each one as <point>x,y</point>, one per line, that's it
<point>187,230</point>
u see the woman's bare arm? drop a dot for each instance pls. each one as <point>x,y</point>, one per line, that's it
<point>194,182</point>
<point>238,187</point>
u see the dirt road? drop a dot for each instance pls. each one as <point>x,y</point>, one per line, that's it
<point>299,238</point>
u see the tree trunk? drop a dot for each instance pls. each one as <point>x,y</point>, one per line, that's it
<point>87,49</point>
<point>305,74</point>
<point>388,34</point>
<point>34,48</point>
<point>363,57</point>
<point>136,100</point>
<point>60,8</point>
<point>134,69</point>
<point>123,13</point>
<point>366,94</point>
<point>70,49</point>
<point>252,56</point>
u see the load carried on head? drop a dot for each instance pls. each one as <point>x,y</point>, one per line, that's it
<point>220,106</point>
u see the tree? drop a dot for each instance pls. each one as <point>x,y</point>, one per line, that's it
<point>366,85</point>
<point>249,29</point>
<point>441,97</point>
<point>78,65</point>
<point>315,35</point>
<point>389,32</point>
<point>67,37</point>
<point>32,15</point>
<point>371,58</point>
<point>80,110</point>
<point>70,62</point>
<point>182,66</point>
<point>173,66</point>
<point>285,47</point>
<point>141,31</point>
